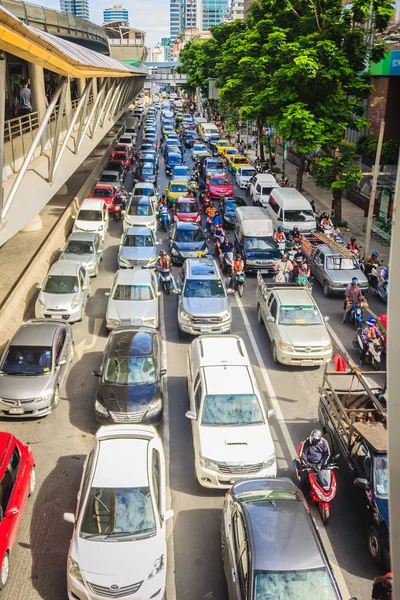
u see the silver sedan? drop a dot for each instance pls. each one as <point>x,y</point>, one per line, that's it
<point>86,248</point>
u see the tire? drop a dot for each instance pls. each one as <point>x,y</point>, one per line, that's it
<point>259,316</point>
<point>56,398</point>
<point>325,514</point>
<point>167,289</point>
<point>274,353</point>
<point>5,570</point>
<point>325,287</point>
<point>375,544</point>
<point>32,481</point>
<point>240,290</point>
<point>364,227</point>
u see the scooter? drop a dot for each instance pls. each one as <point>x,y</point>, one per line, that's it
<point>165,281</point>
<point>238,282</point>
<point>117,212</point>
<point>322,482</point>
<point>281,247</point>
<point>355,314</point>
<point>164,218</point>
<point>374,352</point>
<point>227,262</point>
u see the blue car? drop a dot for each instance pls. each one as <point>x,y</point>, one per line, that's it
<point>186,241</point>
<point>180,173</point>
<point>172,159</point>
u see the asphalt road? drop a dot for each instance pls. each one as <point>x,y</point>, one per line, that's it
<point>61,441</point>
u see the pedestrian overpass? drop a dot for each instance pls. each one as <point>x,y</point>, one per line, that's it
<point>42,149</point>
<point>165,72</point>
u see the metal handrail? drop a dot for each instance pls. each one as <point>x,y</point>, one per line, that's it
<point>20,125</point>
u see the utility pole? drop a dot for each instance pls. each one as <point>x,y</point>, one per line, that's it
<point>373,191</point>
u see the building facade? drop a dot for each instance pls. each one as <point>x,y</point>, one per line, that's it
<point>126,43</point>
<point>190,13</point>
<point>176,19</point>
<point>237,9</point>
<point>78,8</point>
<point>211,13</point>
<point>115,13</point>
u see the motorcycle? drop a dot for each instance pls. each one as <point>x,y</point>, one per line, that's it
<point>164,218</point>
<point>238,282</point>
<point>374,352</point>
<point>322,482</point>
<point>227,262</point>
<point>281,245</point>
<point>165,281</point>
<point>117,212</point>
<point>355,314</point>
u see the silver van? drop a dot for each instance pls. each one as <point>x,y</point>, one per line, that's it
<point>288,208</point>
<point>254,240</point>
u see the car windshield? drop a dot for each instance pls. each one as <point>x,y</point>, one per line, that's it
<point>130,370</point>
<point>61,284</point>
<point>89,215</point>
<point>299,315</point>
<point>189,235</point>
<point>99,193</point>
<point>141,210</point>
<point>294,585</point>
<point>147,171</point>
<point>138,241</point>
<point>118,511</point>
<point>186,207</point>
<point>248,172</point>
<point>232,410</point>
<point>381,476</point>
<point>174,160</point>
<point>79,247</point>
<point>239,161</point>
<point>219,181</point>
<point>259,244</point>
<point>338,263</point>
<point>144,191</point>
<point>178,187</point>
<point>109,178</point>
<point>120,148</point>
<point>299,216</point>
<point>26,360</point>
<point>199,148</point>
<point>204,288</point>
<point>133,292</point>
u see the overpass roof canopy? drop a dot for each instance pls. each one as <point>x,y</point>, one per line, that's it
<point>162,64</point>
<point>56,54</point>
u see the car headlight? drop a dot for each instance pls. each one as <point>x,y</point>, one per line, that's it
<point>41,304</point>
<point>100,408</point>
<point>149,321</point>
<point>251,262</point>
<point>154,407</point>
<point>113,322</point>
<point>123,260</point>
<point>226,316</point>
<point>287,347</point>
<point>208,463</point>
<point>45,397</point>
<point>336,285</point>
<point>158,566</point>
<point>152,260</point>
<point>269,463</point>
<point>74,570</point>
<point>101,227</point>
<point>328,346</point>
<point>75,303</point>
<point>184,316</point>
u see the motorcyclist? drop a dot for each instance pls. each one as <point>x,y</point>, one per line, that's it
<point>163,263</point>
<point>353,297</point>
<point>284,265</point>
<point>325,222</point>
<point>237,267</point>
<point>296,234</point>
<point>218,236</point>
<point>353,246</point>
<point>216,219</point>
<point>210,212</point>
<point>315,449</point>
<point>303,275</point>
<point>370,262</point>
<point>290,243</point>
<point>383,281</point>
<point>370,332</point>
<point>163,200</point>
<point>226,246</point>
<point>382,588</point>
<point>279,235</point>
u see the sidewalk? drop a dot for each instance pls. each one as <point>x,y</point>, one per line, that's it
<point>323,201</point>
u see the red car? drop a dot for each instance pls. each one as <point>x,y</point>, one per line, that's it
<point>219,186</point>
<point>106,193</point>
<point>151,141</point>
<point>186,209</point>
<point>18,480</point>
<point>121,153</point>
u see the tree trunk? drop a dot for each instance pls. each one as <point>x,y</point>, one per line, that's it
<point>337,206</point>
<point>300,171</point>
<point>260,124</point>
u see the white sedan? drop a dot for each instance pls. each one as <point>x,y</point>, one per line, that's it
<point>243,176</point>
<point>118,546</point>
<point>146,189</point>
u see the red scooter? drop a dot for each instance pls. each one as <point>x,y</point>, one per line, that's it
<point>322,482</point>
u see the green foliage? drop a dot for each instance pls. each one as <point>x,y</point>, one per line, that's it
<point>335,171</point>
<point>367,145</point>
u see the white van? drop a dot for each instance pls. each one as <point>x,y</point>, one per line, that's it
<point>207,130</point>
<point>288,208</point>
<point>93,217</point>
<point>261,186</point>
<point>231,434</point>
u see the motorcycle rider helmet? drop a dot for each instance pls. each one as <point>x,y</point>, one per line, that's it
<point>295,230</point>
<point>353,239</point>
<point>279,229</point>
<point>371,321</point>
<point>289,237</point>
<point>354,281</point>
<point>387,580</point>
<point>284,256</point>
<point>315,437</point>
<point>374,254</point>
<point>238,257</point>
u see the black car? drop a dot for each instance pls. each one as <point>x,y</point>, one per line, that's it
<point>116,165</point>
<point>227,209</point>
<point>130,385</point>
<point>190,137</point>
<point>186,241</point>
<point>270,544</point>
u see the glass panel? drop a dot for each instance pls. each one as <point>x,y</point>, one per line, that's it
<point>61,284</point>
<point>230,410</point>
<point>130,370</point>
<point>27,360</point>
<point>133,292</point>
<point>294,585</point>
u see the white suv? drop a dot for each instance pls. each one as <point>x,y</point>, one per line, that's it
<point>118,547</point>
<point>231,435</point>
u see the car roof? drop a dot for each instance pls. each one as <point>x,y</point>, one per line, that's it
<point>84,236</point>
<point>293,297</point>
<point>138,231</point>
<point>132,341</point>
<point>178,154</point>
<point>188,226</point>
<point>266,178</point>
<point>115,465</point>
<point>143,184</point>
<point>178,181</point>
<point>228,379</point>
<point>200,268</point>
<point>64,267</point>
<point>134,276</point>
<point>103,186</point>
<point>35,333</point>
<point>140,200</point>
<point>213,350</point>
<point>110,172</point>
<point>186,201</point>
<point>92,204</point>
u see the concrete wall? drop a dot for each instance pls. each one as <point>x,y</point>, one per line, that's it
<point>128,52</point>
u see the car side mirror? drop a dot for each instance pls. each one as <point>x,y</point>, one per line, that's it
<point>96,373</point>
<point>74,217</point>
<point>270,319</point>
<point>84,288</point>
<point>168,515</point>
<point>38,286</point>
<point>326,319</point>
<point>159,293</point>
<point>106,293</point>
<point>61,363</point>
<point>163,372</point>
<point>361,483</point>
<point>69,518</point>
<point>11,512</point>
<point>270,413</point>
<point>191,415</point>
<point>177,291</point>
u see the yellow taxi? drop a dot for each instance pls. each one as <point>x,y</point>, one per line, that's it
<point>235,161</point>
<point>174,190</point>
<point>229,151</point>
<point>166,129</point>
<point>221,144</point>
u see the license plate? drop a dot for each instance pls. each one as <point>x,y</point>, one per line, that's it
<point>307,363</point>
<point>16,411</point>
<point>205,329</point>
<point>263,271</point>
<point>56,316</point>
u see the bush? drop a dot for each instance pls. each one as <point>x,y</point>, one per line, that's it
<point>367,145</point>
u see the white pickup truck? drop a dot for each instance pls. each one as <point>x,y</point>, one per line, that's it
<point>294,323</point>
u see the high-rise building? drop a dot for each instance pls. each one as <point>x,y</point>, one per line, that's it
<point>166,44</point>
<point>115,13</point>
<point>190,14</point>
<point>211,13</point>
<point>78,8</point>
<point>176,19</point>
<point>237,9</point>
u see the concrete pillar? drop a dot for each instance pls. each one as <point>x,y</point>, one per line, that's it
<point>2,113</point>
<point>94,88</point>
<point>81,84</point>
<point>68,103</point>
<point>36,77</point>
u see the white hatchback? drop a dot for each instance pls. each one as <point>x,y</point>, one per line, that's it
<point>243,176</point>
<point>118,547</point>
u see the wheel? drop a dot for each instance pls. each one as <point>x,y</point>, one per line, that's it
<point>364,227</point>
<point>223,543</point>
<point>259,315</point>
<point>240,290</point>
<point>5,570</point>
<point>56,398</point>
<point>374,544</point>
<point>326,288</point>
<point>274,353</point>
<point>325,514</point>
<point>167,289</point>
<point>32,481</point>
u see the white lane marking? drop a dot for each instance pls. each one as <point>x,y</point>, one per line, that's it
<point>83,346</point>
<point>166,437</point>
<point>290,446</point>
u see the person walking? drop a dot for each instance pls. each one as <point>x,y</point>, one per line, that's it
<point>25,99</point>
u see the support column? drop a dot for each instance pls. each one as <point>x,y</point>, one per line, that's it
<point>36,77</point>
<point>2,114</point>
<point>68,103</point>
<point>94,89</point>
<point>80,86</point>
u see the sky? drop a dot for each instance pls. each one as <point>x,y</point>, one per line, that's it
<point>151,16</point>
